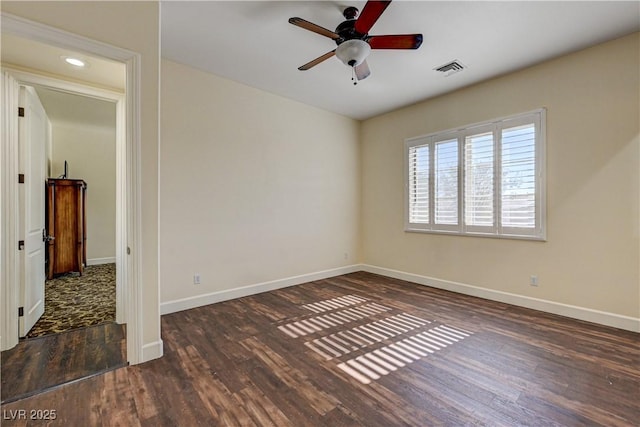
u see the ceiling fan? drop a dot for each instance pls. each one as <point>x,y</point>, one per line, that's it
<point>353,39</point>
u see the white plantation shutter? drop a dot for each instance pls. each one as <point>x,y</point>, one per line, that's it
<point>479,180</point>
<point>419,184</point>
<point>485,179</point>
<point>518,181</point>
<point>446,182</point>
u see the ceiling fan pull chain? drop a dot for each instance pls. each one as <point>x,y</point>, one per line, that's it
<point>353,74</point>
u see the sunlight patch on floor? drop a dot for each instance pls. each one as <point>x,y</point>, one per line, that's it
<point>390,342</point>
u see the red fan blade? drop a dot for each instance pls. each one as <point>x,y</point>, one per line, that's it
<point>362,70</point>
<point>370,14</point>
<point>402,41</point>
<point>317,61</point>
<point>313,27</point>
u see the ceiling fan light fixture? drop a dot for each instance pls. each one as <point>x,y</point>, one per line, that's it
<point>353,52</point>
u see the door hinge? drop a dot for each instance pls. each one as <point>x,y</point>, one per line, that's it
<point>20,111</point>
<point>20,178</point>
<point>20,311</point>
<point>20,245</point>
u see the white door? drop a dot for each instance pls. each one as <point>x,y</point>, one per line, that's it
<point>33,135</point>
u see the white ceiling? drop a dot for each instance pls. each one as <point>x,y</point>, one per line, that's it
<point>24,53</point>
<point>251,42</point>
<point>63,107</point>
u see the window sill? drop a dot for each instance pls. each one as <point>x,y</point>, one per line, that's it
<point>477,234</point>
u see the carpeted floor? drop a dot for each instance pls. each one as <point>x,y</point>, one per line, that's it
<point>73,301</point>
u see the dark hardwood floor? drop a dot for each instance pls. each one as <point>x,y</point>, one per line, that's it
<point>362,350</point>
<point>37,364</point>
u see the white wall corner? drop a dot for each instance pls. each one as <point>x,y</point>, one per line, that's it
<point>228,294</point>
<point>572,311</point>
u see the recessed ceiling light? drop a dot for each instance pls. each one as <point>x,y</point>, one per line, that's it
<point>74,61</point>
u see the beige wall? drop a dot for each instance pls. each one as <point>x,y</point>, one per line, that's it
<point>133,26</point>
<point>90,152</point>
<point>254,187</point>
<point>591,258</point>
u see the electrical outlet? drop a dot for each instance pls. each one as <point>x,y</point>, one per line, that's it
<point>196,279</point>
<point>346,255</point>
<point>533,281</point>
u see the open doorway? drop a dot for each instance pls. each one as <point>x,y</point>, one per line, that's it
<point>51,83</point>
<point>80,156</point>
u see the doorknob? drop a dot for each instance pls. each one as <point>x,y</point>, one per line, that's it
<point>45,237</point>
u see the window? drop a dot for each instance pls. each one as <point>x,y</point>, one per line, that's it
<point>485,179</point>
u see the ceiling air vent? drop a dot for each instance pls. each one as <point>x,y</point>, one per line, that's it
<point>451,68</point>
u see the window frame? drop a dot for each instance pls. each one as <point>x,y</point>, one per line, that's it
<point>537,118</point>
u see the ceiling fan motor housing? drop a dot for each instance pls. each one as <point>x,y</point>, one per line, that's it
<point>347,31</point>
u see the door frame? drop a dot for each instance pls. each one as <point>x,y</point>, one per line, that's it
<point>128,208</point>
<point>28,79</point>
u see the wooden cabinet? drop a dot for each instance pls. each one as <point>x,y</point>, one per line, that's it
<point>66,226</point>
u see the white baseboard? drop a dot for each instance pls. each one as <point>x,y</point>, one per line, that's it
<point>151,351</point>
<point>98,261</point>
<point>228,294</point>
<point>575,312</point>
